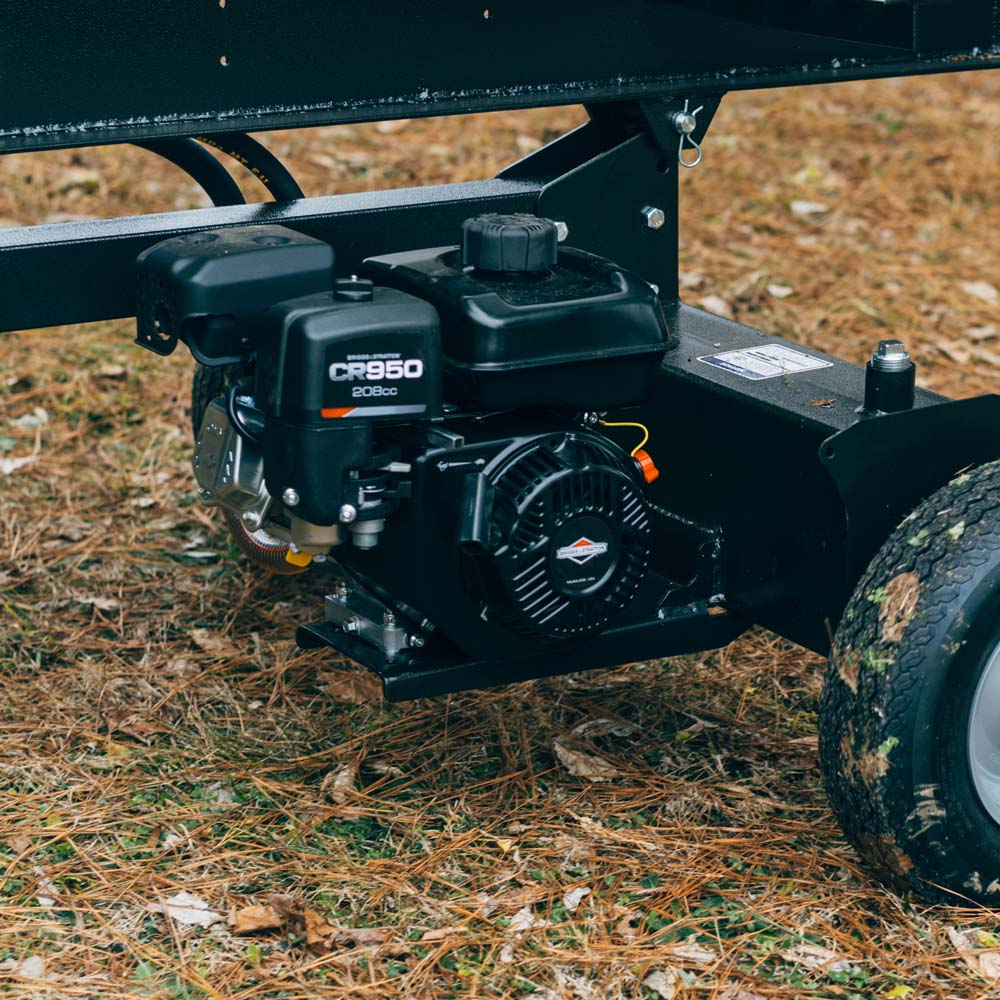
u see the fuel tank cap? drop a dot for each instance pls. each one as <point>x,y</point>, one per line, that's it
<point>509,243</point>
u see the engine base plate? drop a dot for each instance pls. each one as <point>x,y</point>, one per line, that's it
<point>439,668</point>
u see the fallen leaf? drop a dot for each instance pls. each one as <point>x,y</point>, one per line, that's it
<point>355,687</point>
<point>32,967</point>
<point>358,937</point>
<point>11,465</point>
<point>525,920</point>
<point>584,765</point>
<point>111,372</point>
<point>486,905</point>
<point>978,333</point>
<point>99,602</point>
<point>821,402</point>
<point>812,956</point>
<point>898,992</point>
<point>577,987</point>
<point>572,899</point>
<point>82,178</point>
<point>71,529</point>
<point>738,993</point>
<point>954,351</point>
<point>868,309</point>
<point>696,727</point>
<point>718,305</point>
<point>48,894</point>
<point>689,279</point>
<point>691,951</point>
<point>808,207</point>
<point>441,934</point>
<point>321,936</point>
<point>627,927</point>
<point>213,643</point>
<point>19,843</point>
<point>338,785</point>
<point>603,727</point>
<point>383,767</point>
<point>780,291</point>
<point>665,983</point>
<point>180,667</point>
<point>254,918</point>
<point>224,795</point>
<point>983,291</point>
<point>38,417</point>
<point>136,726</point>
<point>984,962</point>
<point>185,908</point>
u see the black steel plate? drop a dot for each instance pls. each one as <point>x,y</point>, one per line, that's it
<point>87,74</point>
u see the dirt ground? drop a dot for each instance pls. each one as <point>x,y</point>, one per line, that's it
<point>160,734</point>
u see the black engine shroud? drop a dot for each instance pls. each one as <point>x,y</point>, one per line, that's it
<point>534,537</point>
<point>556,535</point>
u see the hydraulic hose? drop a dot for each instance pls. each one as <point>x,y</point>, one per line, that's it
<point>259,160</point>
<point>199,164</point>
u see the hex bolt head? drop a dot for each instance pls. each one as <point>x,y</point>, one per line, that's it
<point>290,498</point>
<point>251,519</point>
<point>655,217</point>
<point>347,513</point>
<point>891,356</point>
<point>388,619</point>
<point>351,625</point>
<point>340,590</point>
<point>416,641</point>
<point>562,232</point>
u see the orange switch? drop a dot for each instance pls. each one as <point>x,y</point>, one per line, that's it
<point>646,465</point>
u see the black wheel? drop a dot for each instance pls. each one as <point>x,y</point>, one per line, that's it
<point>910,714</point>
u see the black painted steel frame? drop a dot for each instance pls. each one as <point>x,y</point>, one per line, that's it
<point>577,179</point>
<point>128,70</point>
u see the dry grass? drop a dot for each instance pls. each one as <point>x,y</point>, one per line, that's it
<point>160,733</point>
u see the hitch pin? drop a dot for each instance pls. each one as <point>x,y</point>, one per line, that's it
<point>685,122</point>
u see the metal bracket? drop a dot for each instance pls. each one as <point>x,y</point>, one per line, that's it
<point>359,614</point>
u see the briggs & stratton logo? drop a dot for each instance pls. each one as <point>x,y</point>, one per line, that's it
<point>582,550</point>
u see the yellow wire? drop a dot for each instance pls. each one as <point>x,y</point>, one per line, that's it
<point>629,423</point>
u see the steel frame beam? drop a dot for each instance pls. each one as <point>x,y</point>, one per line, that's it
<point>85,271</point>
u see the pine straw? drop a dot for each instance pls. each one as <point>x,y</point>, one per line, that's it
<point>160,732</point>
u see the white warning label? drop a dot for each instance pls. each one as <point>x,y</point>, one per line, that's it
<point>766,361</point>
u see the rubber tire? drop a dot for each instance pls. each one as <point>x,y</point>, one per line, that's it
<point>906,662</point>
